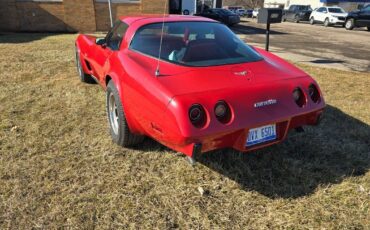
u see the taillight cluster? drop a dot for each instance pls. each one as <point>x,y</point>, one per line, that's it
<point>198,115</point>
<point>222,112</point>
<point>300,98</point>
<point>314,93</point>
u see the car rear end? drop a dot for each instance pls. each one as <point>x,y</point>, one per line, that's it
<point>244,117</point>
<point>222,93</point>
<point>228,17</point>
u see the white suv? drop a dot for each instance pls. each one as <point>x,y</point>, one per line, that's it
<point>328,16</point>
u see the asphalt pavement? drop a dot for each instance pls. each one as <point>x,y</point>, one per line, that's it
<point>333,47</point>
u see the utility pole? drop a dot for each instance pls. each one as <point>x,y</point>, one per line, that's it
<point>110,12</point>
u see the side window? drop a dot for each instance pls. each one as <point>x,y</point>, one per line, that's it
<point>292,8</point>
<point>324,10</point>
<point>115,36</point>
<point>320,9</point>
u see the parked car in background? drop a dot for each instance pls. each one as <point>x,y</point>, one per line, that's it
<point>222,15</point>
<point>249,13</point>
<point>358,18</point>
<point>255,13</point>
<point>241,12</point>
<point>328,16</point>
<point>297,13</point>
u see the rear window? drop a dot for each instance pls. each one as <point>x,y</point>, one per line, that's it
<point>193,44</point>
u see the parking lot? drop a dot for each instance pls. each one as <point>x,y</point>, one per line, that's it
<point>312,44</point>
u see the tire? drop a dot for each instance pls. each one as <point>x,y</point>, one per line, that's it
<point>350,24</point>
<point>118,126</point>
<point>284,19</point>
<point>326,22</point>
<point>312,20</point>
<point>296,19</point>
<point>85,78</point>
<point>368,28</point>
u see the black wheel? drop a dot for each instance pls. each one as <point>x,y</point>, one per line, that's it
<point>296,19</point>
<point>368,28</point>
<point>119,129</point>
<point>326,22</point>
<point>86,78</point>
<point>312,20</point>
<point>350,24</point>
<point>284,19</point>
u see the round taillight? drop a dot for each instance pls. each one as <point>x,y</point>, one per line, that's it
<point>197,115</point>
<point>299,97</point>
<point>314,93</point>
<point>222,112</point>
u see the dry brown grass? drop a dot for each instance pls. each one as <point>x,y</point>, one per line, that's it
<point>59,168</point>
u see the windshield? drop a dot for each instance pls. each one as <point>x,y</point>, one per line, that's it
<point>193,44</point>
<point>336,10</point>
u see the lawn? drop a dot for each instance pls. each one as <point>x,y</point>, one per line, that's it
<point>59,167</point>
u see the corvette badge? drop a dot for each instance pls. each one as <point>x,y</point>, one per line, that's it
<point>265,103</point>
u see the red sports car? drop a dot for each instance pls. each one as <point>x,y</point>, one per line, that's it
<point>191,84</point>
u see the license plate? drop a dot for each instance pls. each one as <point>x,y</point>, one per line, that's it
<point>261,134</point>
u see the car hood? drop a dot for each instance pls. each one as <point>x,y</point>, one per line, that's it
<point>339,14</point>
<point>207,79</point>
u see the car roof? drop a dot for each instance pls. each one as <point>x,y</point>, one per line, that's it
<point>147,19</point>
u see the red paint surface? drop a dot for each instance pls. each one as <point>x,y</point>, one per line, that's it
<point>158,106</point>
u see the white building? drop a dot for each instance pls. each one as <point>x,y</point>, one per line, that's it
<point>345,4</point>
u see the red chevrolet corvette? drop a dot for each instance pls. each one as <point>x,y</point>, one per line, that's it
<point>191,84</point>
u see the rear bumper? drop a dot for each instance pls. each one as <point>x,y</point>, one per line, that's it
<point>237,139</point>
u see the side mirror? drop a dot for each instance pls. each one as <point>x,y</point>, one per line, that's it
<point>101,42</point>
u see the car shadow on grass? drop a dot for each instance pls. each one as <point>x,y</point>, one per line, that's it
<point>323,155</point>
